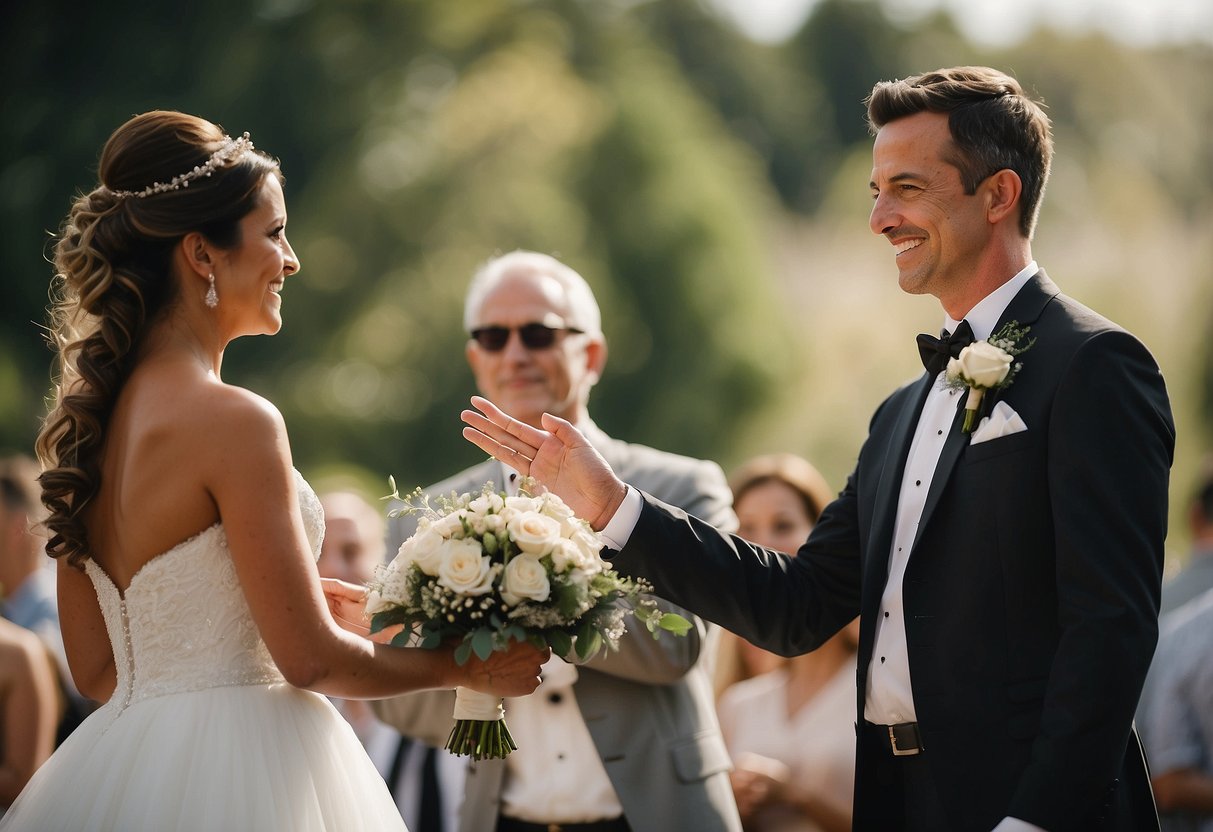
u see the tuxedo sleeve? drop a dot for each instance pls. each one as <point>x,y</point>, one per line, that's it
<point>1110,445</point>
<point>786,604</point>
<point>703,492</point>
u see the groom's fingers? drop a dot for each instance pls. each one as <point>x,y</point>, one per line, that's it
<point>508,455</point>
<point>492,413</point>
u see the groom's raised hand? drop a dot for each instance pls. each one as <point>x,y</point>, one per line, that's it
<point>560,458</point>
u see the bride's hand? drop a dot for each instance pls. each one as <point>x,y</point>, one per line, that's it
<point>512,672</point>
<point>347,604</point>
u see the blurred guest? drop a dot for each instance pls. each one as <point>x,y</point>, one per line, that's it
<point>1177,718</point>
<point>738,660</point>
<point>630,740</point>
<point>27,579</point>
<point>1196,577</point>
<point>28,709</point>
<point>426,783</point>
<point>791,731</point>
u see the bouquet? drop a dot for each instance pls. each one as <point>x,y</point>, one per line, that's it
<point>487,569</point>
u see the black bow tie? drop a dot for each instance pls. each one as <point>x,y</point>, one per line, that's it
<point>935,352</point>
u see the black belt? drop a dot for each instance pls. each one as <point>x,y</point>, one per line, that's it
<point>902,739</point>
<point>618,824</point>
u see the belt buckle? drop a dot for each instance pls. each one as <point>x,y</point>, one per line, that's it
<point>904,752</point>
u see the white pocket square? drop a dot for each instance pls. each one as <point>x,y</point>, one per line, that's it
<point>1002,421</point>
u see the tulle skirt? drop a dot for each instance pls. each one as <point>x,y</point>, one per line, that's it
<point>259,757</point>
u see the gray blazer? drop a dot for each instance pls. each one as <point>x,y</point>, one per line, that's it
<point>649,706</point>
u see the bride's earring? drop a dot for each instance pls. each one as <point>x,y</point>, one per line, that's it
<point>212,297</point>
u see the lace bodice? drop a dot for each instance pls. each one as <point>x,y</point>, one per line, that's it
<point>183,624</point>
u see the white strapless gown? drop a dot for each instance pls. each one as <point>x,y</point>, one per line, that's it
<point>202,732</point>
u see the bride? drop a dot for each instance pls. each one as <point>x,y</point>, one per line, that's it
<point>185,539</point>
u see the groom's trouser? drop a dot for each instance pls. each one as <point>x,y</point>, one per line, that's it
<point>908,799</point>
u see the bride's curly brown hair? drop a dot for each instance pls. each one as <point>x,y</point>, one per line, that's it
<point>113,262</point>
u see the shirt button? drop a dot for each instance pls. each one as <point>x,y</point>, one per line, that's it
<point>886,615</point>
<point>882,659</point>
<point>918,482</point>
<point>554,698</point>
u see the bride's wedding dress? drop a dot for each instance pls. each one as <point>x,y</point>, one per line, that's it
<point>202,732</point>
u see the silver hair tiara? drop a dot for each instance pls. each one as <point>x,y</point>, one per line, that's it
<point>230,150</point>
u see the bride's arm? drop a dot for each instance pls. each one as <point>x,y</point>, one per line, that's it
<point>89,654</point>
<point>249,474</point>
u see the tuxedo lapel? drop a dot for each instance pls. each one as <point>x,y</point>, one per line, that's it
<point>1024,308</point>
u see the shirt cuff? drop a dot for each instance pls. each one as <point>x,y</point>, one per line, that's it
<point>1017,825</point>
<point>623,522</point>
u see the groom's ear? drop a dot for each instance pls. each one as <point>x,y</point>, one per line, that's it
<point>1002,191</point>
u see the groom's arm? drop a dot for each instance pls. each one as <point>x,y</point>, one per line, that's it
<point>700,488</point>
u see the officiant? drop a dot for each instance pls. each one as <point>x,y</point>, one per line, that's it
<point>1005,565</point>
<point>628,741</point>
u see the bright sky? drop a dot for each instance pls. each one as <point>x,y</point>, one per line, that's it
<point>1002,22</point>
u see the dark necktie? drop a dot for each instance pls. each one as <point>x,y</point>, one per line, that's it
<point>429,812</point>
<point>935,352</point>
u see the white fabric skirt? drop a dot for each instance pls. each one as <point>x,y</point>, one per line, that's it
<point>259,757</point>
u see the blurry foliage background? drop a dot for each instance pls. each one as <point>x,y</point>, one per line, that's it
<point>711,188</point>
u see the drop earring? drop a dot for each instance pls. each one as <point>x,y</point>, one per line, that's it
<point>212,297</point>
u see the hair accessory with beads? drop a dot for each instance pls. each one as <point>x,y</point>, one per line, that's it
<point>229,151</point>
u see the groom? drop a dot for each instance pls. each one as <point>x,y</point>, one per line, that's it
<point>1007,581</point>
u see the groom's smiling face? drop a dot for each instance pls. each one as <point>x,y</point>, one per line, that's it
<point>525,381</point>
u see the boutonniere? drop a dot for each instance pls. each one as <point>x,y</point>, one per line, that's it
<point>987,365</point>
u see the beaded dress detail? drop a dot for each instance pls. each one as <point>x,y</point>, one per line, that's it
<point>202,732</point>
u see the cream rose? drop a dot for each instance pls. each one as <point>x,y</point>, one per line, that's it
<point>522,503</point>
<point>465,569</point>
<point>534,533</point>
<point>553,506</point>
<point>424,548</point>
<point>524,579</point>
<point>981,364</point>
<point>486,503</point>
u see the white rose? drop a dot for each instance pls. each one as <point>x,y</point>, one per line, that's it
<point>448,525</point>
<point>522,504</point>
<point>486,503</point>
<point>465,569</point>
<point>534,533</point>
<point>981,364</point>
<point>590,546</point>
<point>524,578</point>
<point>494,523</point>
<point>553,506</point>
<point>424,548</point>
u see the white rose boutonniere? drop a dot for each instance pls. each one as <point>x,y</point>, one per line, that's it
<point>987,365</point>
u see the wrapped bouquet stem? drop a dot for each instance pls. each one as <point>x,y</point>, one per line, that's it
<point>486,569</point>
<point>480,731</point>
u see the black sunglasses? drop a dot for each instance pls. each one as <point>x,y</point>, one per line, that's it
<point>534,336</point>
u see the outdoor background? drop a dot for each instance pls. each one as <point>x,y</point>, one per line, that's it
<point>704,165</point>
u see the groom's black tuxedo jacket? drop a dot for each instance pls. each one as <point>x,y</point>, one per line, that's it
<point>1031,594</point>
